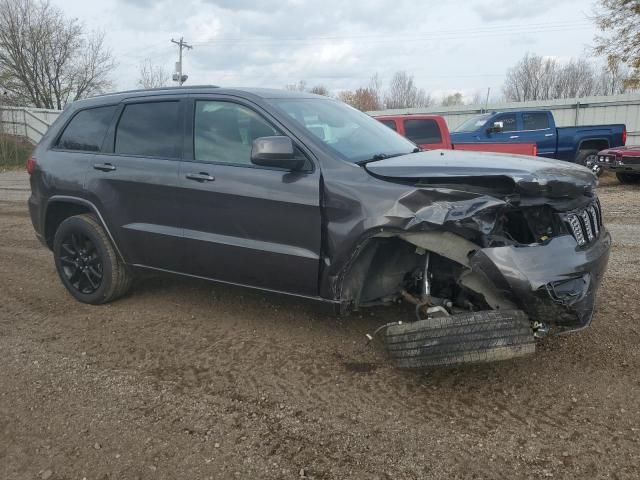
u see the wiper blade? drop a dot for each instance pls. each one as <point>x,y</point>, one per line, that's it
<point>382,156</point>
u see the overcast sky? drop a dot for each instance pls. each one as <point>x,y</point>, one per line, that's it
<point>463,45</point>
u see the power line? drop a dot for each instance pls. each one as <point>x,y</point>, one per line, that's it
<point>439,34</point>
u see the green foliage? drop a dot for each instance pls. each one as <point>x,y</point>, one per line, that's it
<point>619,21</point>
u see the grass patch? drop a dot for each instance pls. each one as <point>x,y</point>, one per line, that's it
<point>14,151</point>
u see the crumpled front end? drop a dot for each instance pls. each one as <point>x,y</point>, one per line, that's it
<point>554,283</point>
<point>458,244</point>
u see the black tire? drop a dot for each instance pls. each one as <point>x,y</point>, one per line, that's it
<point>87,263</point>
<point>628,178</point>
<point>473,337</point>
<point>586,158</point>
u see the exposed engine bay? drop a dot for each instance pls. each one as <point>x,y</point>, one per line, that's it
<point>509,254</point>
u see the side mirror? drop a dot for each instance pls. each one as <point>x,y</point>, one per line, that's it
<point>497,127</point>
<point>275,152</point>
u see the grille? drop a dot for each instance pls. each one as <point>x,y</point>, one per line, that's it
<point>585,225</point>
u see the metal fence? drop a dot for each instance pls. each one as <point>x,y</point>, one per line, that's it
<point>569,112</point>
<point>29,123</point>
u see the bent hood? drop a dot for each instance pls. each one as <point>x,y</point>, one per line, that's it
<point>529,175</point>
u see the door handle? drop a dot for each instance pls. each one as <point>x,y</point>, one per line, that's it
<point>548,134</point>
<point>200,177</point>
<point>514,136</point>
<point>105,167</point>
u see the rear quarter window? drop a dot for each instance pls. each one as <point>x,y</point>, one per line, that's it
<point>422,131</point>
<point>86,130</point>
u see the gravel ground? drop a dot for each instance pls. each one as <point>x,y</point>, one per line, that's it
<point>14,186</point>
<point>187,379</point>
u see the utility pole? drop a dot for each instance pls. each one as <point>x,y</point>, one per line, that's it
<point>178,77</point>
<point>486,103</point>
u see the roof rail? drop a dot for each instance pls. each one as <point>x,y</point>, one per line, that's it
<point>158,89</point>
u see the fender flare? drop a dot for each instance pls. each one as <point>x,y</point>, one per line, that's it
<point>92,207</point>
<point>601,139</point>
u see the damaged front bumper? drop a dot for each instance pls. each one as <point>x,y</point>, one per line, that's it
<point>554,283</point>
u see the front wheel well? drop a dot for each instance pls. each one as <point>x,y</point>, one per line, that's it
<point>58,212</point>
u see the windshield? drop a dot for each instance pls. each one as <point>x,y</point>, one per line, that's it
<point>473,123</point>
<point>353,135</point>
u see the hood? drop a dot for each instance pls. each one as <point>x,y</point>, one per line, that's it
<point>628,151</point>
<point>528,175</point>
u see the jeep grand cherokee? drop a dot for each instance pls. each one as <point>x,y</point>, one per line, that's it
<point>301,194</point>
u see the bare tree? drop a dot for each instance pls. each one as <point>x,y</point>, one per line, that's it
<point>477,98</point>
<point>152,76</point>
<point>452,100</point>
<point>320,90</point>
<point>532,78</point>
<point>615,78</point>
<point>375,90</point>
<point>575,78</point>
<point>538,78</point>
<point>301,86</point>
<point>47,59</point>
<point>619,21</point>
<point>403,93</point>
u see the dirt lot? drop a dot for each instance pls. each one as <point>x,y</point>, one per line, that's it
<point>187,379</point>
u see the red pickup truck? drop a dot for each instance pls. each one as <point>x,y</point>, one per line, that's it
<point>431,132</point>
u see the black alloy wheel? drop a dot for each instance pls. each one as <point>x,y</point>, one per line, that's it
<point>81,263</point>
<point>87,262</point>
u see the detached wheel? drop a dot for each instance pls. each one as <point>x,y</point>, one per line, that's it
<point>628,178</point>
<point>87,262</point>
<point>587,158</point>
<point>474,337</point>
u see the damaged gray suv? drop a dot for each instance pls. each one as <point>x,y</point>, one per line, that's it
<point>301,194</point>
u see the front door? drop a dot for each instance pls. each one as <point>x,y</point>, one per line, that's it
<point>510,130</point>
<point>245,224</point>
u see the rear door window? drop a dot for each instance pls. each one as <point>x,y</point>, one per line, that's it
<point>151,129</point>
<point>422,131</point>
<point>86,130</point>
<point>535,121</point>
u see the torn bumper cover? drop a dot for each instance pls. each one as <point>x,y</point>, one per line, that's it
<point>554,283</point>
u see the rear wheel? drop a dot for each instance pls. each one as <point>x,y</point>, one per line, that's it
<point>630,178</point>
<point>87,262</point>
<point>472,337</point>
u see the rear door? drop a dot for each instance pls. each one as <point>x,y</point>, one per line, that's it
<point>246,224</point>
<point>536,128</point>
<point>135,181</point>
